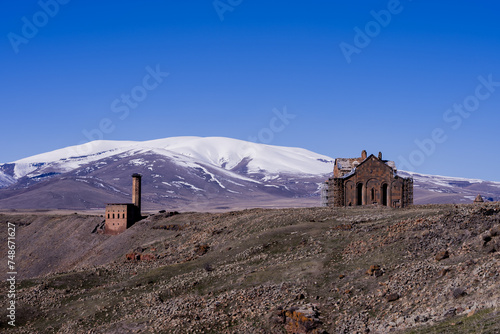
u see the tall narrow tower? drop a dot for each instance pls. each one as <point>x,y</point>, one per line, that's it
<point>136,191</point>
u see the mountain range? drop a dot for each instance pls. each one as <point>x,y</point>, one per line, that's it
<point>193,174</point>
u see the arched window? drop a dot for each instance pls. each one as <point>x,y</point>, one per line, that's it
<point>113,216</point>
<point>373,194</point>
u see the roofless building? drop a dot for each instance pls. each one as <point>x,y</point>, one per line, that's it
<point>120,216</point>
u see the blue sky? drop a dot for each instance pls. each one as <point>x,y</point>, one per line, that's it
<point>417,80</point>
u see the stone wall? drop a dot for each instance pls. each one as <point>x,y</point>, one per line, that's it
<point>119,217</point>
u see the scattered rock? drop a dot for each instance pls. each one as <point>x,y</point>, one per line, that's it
<point>392,297</point>
<point>202,249</point>
<point>171,227</point>
<point>486,237</point>
<point>133,256</point>
<point>147,257</point>
<point>458,292</point>
<point>450,312</point>
<point>444,272</point>
<point>442,255</point>
<point>301,319</point>
<point>372,270</point>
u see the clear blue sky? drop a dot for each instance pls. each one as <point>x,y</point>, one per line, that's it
<point>231,64</point>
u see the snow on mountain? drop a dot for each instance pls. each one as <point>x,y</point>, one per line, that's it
<point>443,180</point>
<point>6,180</point>
<point>86,150</point>
<point>178,172</point>
<point>446,189</point>
<point>222,152</point>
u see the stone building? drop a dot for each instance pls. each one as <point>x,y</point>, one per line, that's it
<point>120,216</point>
<point>367,181</point>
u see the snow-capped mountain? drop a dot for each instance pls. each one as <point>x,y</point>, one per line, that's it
<point>444,189</point>
<point>193,173</point>
<point>177,172</point>
<point>221,152</point>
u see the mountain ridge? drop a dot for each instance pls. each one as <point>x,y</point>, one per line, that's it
<point>193,172</point>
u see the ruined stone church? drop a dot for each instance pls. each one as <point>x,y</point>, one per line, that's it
<point>367,180</point>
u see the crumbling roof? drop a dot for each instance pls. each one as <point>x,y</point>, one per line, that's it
<point>345,163</point>
<point>391,164</point>
<point>348,165</point>
<point>349,173</point>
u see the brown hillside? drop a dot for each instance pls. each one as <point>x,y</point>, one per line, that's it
<point>426,269</point>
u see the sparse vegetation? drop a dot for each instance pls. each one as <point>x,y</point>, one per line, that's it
<point>311,270</point>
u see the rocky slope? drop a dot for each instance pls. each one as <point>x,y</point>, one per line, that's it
<point>426,269</point>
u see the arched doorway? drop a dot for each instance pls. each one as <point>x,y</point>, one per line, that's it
<point>385,194</point>
<point>359,194</point>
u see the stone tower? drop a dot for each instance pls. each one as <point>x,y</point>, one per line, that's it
<point>121,216</point>
<point>479,199</point>
<point>136,191</point>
